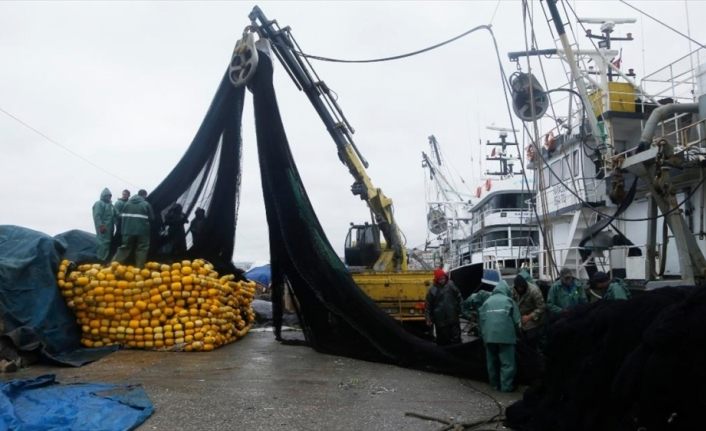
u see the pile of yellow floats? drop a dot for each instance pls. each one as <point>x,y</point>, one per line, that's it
<point>184,306</point>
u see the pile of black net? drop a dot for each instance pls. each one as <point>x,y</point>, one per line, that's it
<point>336,316</point>
<point>623,365</point>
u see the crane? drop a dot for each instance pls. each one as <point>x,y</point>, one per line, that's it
<point>379,268</point>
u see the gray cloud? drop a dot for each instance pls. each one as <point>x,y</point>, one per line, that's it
<point>127,84</point>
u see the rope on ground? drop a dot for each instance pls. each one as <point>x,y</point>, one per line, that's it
<point>453,425</point>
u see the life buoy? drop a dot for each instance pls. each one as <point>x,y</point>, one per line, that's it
<point>550,141</point>
<point>531,152</point>
<point>478,192</point>
<point>487,184</point>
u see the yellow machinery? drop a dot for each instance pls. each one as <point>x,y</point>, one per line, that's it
<point>379,267</point>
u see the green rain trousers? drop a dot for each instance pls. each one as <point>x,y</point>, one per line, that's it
<point>500,360</point>
<point>139,243</point>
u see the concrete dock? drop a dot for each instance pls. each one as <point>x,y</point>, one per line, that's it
<point>260,384</point>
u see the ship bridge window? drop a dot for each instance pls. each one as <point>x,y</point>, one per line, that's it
<point>505,201</point>
<point>496,239</point>
<point>557,172</point>
<point>525,238</point>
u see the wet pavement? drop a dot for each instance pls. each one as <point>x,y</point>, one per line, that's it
<point>259,384</point>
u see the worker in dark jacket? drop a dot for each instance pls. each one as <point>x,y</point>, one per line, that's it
<point>135,224</point>
<point>443,309</point>
<point>603,287</point>
<point>104,216</point>
<point>530,303</point>
<point>197,228</point>
<point>499,323</point>
<point>174,221</point>
<point>565,293</point>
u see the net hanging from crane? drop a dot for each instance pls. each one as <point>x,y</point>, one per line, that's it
<point>208,177</point>
<point>337,317</point>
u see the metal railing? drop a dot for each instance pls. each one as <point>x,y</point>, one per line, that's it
<point>676,80</point>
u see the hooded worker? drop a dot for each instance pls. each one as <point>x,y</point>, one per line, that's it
<point>605,288</point>
<point>565,293</point>
<point>135,226</point>
<point>499,323</point>
<point>443,309</point>
<point>104,216</point>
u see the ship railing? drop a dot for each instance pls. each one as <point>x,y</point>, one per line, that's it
<point>503,244</point>
<point>518,248</point>
<point>685,138</point>
<point>623,256</point>
<point>569,257</point>
<point>676,80</point>
<point>512,215</point>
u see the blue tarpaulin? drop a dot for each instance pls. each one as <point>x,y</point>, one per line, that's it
<point>34,315</point>
<point>44,404</point>
<point>260,274</point>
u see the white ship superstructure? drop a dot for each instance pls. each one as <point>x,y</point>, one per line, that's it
<point>620,184</point>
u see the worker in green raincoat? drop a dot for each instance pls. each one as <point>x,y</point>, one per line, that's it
<point>565,293</point>
<point>499,323</point>
<point>605,288</point>
<point>135,226</point>
<point>104,217</point>
<point>470,307</point>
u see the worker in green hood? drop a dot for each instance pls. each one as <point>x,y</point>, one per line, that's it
<point>604,288</point>
<point>499,323</point>
<point>104,217</point>
<point>565,293</point>
<point>135,226</point>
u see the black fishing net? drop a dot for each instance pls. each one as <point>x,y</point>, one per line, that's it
<point>336,316</point>
<point>208,177</point>
<point>623,365</point>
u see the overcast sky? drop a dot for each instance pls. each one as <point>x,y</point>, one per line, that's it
<point>126,85</point>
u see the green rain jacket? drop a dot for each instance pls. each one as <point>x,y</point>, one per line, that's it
<point>443,304</point>
<point>616,290</point>
<point>136,216</point>
<point>120,204</point>
<point>103,213</point>
<point>560,298</point>
<point>474,302</point>
<point>499,316</point>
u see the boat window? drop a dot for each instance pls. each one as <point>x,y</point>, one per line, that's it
<point>496,239</point>
<point>567,170</point>
<point>525,238</point>
<point>545,177</point>
<point>577,167</point>
<point>556,168</point>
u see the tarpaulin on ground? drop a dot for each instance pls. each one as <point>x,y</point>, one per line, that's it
<point>79,246</point>
<point>261,274</point>
<point>44,404</point>
<point>34,314</point>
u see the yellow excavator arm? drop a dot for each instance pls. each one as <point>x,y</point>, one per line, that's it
<point>393,257</point>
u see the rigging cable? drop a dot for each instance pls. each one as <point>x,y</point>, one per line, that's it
<point>663,24</point>
<point>65,148</point>
<point>395,57</point>
<point>506,90</point>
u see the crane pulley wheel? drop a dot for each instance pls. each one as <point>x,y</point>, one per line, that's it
<point>244,61</point>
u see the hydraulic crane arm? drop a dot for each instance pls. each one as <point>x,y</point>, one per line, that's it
<point>285,47</point>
